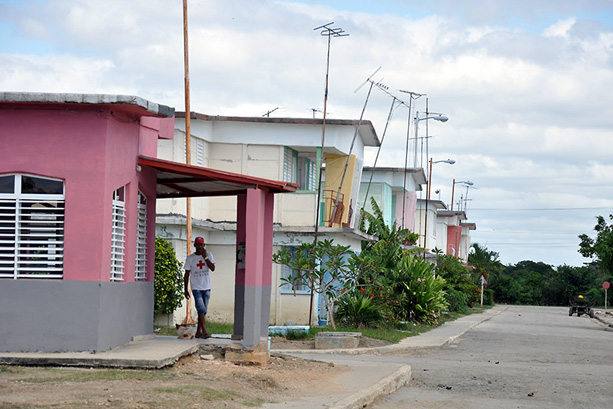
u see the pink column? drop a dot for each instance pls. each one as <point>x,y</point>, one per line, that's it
<point>254,278</point>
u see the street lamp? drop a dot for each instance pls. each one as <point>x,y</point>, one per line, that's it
<point>467,183</point>
<point>429,115</point>
<point>450,162</point>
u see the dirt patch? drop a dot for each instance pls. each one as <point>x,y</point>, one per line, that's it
<point>190,383</point>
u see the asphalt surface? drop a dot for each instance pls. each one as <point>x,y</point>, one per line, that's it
<point>526,357</point>
<point>373,372</point>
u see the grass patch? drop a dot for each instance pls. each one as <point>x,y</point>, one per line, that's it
<point>394,335</point>
<point>297,335</point>
<point>95,375</point>
<point>204,392</point>
<point>256,402</point>
<point>11,369</point>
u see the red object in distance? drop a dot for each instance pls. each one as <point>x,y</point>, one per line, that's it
<point>606,285</point>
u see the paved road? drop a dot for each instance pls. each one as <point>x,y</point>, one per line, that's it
<point>526,357</point>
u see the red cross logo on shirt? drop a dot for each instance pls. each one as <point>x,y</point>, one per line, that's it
<point>201,264</point>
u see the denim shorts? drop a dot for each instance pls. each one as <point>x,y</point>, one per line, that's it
<point>201,298</point>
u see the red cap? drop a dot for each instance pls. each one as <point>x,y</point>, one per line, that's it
<point>199,240</point>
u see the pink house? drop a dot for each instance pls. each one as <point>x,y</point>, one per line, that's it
<point>77,215</point>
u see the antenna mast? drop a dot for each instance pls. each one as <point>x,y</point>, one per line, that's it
<point>329,32</point>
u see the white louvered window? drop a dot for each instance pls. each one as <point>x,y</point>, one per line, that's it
<point>31,227</point>
<point>290,164</point>
<point>140,272</point>
<point>200,155</point>
<point>118,234</point>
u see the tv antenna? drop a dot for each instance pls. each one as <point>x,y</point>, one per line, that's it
<point>326,31</point>
<point>316,110</point>
<point>267,114</point>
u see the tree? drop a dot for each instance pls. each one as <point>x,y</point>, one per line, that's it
<point>168,281</point>
<point>325,267</point>
<point>485,262</point>
<point>390,239</point>
<point>458,279</point>
<point>601,247</point>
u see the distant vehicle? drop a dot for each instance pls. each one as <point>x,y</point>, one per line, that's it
<point>581,305</point>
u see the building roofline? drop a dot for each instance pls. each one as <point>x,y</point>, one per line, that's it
<point>365,125</point>
<point>144,107</point>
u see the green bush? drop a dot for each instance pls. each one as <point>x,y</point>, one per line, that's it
<point>457,300</point>
<point>423,298</point>
<point>358,310</point>
<point>488,296</point>
<point>168,281</point>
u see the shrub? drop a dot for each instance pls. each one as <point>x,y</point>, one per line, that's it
<point>168,281</point>
<point>457,300</point>
<point>424,298</point>
<point>358,310</point>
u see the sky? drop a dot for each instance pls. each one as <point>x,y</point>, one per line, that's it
<point>526,86</point>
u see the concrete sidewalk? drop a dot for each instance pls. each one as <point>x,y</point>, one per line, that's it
<point>360,385</point>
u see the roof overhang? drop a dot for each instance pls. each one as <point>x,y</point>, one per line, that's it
<point>128,103</point>
<point>366,129</point>
<point>180,180</point>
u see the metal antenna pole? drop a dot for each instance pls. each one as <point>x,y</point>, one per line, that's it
<point>406,155</point>
<point>389,117</point>
<point>355,134</point>
<point>329,32</point>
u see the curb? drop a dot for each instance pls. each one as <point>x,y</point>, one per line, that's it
<point>396,348</point>
<point>385,386</point>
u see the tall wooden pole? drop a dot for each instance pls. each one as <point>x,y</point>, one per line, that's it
<point>188,145</point>
<point>188,133</point>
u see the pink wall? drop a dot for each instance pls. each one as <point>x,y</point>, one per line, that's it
<point>454,234</point>
<point>95,151</point>
<point>409,211</point>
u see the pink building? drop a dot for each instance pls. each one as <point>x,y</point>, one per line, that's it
<point>78,187</point>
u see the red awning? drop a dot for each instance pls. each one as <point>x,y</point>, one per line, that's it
<point>180,180</point>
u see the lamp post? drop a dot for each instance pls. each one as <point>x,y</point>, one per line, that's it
<point>417,120</point>
<point>467,183</point>
<point>450,162</point>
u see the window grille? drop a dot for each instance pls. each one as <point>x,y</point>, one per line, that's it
<point>141,239</point>
<point>118,234</point>
<point>200,156</point>
<point>31,227</point>
<point>312,175</point>
<point>290,165</point>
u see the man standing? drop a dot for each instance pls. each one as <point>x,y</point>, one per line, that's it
<point>198,267</point>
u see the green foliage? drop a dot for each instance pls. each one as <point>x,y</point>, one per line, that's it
<point>602,246</point>
<point>484,261</point>
<point>457,300</point>
<point>168,281</point>
<point>423,295</point>
<point>388,247</point>
<point>358,310</point>
<point>324,267</point>
<point>296,335</point>
<point>459,278</point>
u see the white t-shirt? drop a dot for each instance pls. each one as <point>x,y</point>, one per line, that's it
<point>200,274</point>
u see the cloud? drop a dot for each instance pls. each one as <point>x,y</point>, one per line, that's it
<point>523,83</point>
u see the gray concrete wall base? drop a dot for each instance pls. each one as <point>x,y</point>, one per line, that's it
<point>72,316</point>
